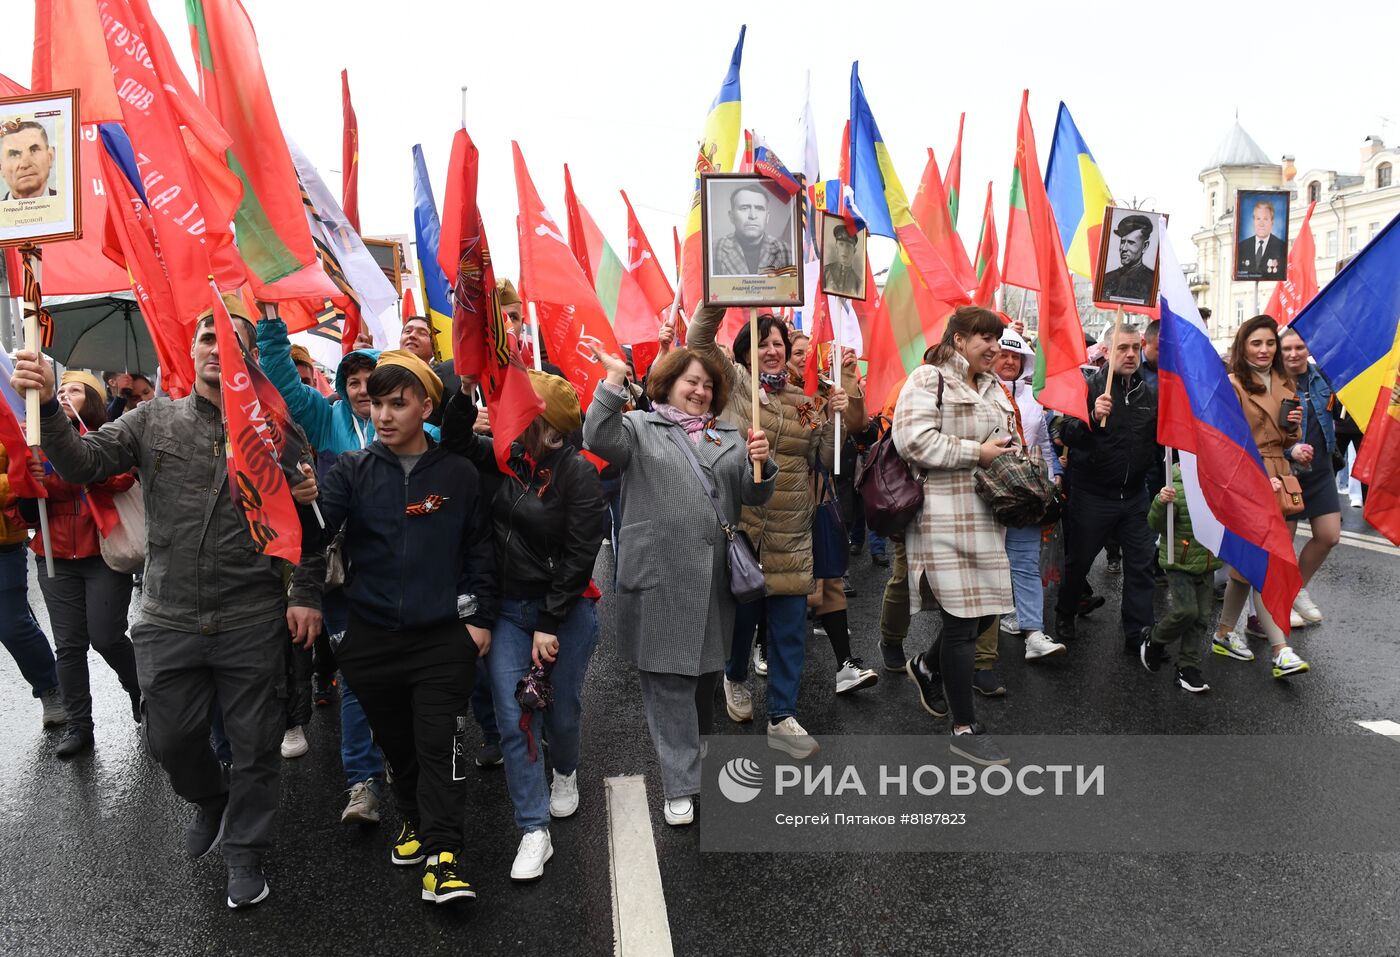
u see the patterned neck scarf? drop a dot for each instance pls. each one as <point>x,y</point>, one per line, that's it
<point>693,424</point>
<point>773,382</point>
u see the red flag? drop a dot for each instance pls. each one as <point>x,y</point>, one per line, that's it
<point>930,209</point>
<point>12,441</point>
<point>952,182</point>
<point>570,316</point>
<point>481,346</point>
<point>410,308</point>
<point>98,501</point>
<point>642,263</point>
<point>1059,384</point>
<point>822,335</point>
<point>349,156</point>
<point>578,235</point>
<point>1378,465</point>
<point>988,276</point>
<point>70,53</point>
<point>676,238</point>
<point>1295,292</point>
<point>256,480</point>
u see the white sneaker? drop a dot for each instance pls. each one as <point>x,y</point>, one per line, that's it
<point>1305,606</point>
<point>294,743</point>
<point>737,701</point>
<point>563,796</point>
<point>1232,645</point>
<point>790,737</point>
<point>363,806</point>
<point>854,675</point>
<point>760,663</point>
<point>535,849</point>
<point>679,811</point>
<point>1296,620</point>
<point>1011,624</point>
<point>1287,663</point>
<point>1041,645</point>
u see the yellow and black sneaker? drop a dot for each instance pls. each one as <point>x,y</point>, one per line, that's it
<point>407,849</point>
<point>441,883</point>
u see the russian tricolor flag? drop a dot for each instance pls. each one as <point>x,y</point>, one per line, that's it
<point>1234,511</point>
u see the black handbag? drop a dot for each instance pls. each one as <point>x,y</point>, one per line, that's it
<point>1017,486</point>
<point>831,556</point>
<point>746,582</point>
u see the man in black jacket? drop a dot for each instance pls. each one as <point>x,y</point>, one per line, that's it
<point>420,580</point>
<point>1109,459</point>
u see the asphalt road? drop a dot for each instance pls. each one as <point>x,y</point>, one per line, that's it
<point>91,862</point>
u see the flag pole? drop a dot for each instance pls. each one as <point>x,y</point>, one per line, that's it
<point>836,366</point>
<point>1108,381</point>
<point>535,335</point>
<point>1171,515</point>
<point>33,267</point>
<point>754,385</point>
<point>464,107</point>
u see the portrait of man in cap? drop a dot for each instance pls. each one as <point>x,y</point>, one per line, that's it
<point>40,197</point>
<point>843,258</point>
<point>1130,248</point>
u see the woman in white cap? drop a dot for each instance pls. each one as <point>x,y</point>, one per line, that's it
<point>1013,368</point>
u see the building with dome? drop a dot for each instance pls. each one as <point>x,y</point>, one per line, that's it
<point>1352,207</point>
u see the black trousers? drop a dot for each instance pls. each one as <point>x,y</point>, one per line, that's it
<point>1089,522</point>
<point>88,604</point>
<point>416,687</point>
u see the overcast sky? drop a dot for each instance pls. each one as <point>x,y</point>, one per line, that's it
<point>619,90</point>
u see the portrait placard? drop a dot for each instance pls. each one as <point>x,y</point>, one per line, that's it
<point>750,231</point>
<point>842,258</point>
<point>1126,271</point>
<point>1261,234</point>
<point>40,197</point>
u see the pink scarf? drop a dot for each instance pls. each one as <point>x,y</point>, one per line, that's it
<point>693,424</point>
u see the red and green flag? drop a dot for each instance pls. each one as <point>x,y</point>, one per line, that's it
<point>952,182</point>
<point>988,276</point>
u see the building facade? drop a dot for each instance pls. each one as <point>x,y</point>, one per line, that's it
<point>1351,209</point>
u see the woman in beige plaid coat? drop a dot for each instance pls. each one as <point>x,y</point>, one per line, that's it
<point>951,417</point>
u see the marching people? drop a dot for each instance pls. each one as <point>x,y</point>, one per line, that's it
<point>1109,457</point>
<point>675,621</point>
<point>1312,459</point>
<point>87,601</point>
<point>953,416</point>
<point>1274,416</point>
<point>549,519</point>
<point>421,588</point>
<point>215,614</point>
<point>800,436</point>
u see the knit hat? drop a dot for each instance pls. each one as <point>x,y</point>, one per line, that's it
<point>506,294</point>
<point>402,357</point>
<point>302,357</point>
<point>233,302</point>
<point>87,379</point>
<point>561,408</point>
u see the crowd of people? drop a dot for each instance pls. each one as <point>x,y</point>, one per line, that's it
<point>440,586</point>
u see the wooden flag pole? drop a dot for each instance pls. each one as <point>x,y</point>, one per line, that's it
<point>535,335</point>
<point>836,367</point>
<point>754,386</point>
<point>33,262</point>
<point>1171,516</point>
<point>1108,381</point>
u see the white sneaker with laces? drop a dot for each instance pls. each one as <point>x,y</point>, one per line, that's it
<point>854,675</point>
<point>294,743</point>
<point>679,811</point>
<point>1041,645</point>
<point>1232,645</point>
<point>535,849</point>
<point>760,663</point>
<point>1287,663</point>
<point>791,738</point>
<point>1305,606</point>
<point>363,806</point>
<point>1011,624</point>
<point>563,795</point>
<point>1296,620</point>
<point>737,701</point>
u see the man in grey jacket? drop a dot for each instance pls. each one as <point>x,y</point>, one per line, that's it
<point>215,614</point>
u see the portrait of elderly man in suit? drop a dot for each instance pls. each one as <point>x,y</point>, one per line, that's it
<point>750,250</point>
<point>1261,254</point>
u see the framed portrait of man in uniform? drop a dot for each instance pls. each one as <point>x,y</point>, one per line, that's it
<point>751,237</point>
<point>1126,271</point>
<point>40,197</point>
<point>1261,235</point>
<point>842,258</point>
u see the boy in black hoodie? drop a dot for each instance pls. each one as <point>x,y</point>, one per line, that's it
<point>420,579</point>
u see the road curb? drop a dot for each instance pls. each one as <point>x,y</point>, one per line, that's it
<point>640,924</point>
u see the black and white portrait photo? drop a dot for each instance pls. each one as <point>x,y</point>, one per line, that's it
<point>1126,274</point>
<point>1261,234</point>
<point>750,231</point>
<point>39,196</point>
<point>842,258</point>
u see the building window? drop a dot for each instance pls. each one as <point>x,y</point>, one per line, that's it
<point>1382,176</point>
<point>1239,312</point>
<point>1212,205</point>
<point>1331,244</point>
<point>1374,228</point>
<point>1314,191</point>
<point>1351,239</point>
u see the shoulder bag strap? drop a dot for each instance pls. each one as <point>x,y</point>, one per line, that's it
<point>710,492</point>
<point>1016,413</point>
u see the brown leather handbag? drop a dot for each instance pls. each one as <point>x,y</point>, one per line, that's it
<point>1290,496</point>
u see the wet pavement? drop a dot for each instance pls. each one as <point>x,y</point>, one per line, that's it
<point>91,860</point>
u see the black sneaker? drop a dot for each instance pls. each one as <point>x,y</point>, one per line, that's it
<point>490,756</point>
<point>1066,629</point>
<point>987,683</point>
<point>442,882</point>
<point>880,561</point>
<point>855,548</point>
<point>977,746</point>
<point>246,885</point>
<point>1152,654</point>
<point>135,705</point>
<point>893,655</point>
<point>1115,566</point>
<point>74,742</point>
<point>322,689</point>
<point>1088,604</point>
<point>930,687</point>
<point>1189,678</point>
<point>204,833</point>
<point>407,849</point>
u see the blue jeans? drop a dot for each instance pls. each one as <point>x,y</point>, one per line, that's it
<point>359,756</point>
<point>786,616</point>
<point>1023,551</point>
<point>877,544</point>
<point>512,641</point>
<point>19,632</point>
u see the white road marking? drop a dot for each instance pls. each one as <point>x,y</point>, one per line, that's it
<point>640,924</point>
<point>1370,543</point>
<point>1388,728</point>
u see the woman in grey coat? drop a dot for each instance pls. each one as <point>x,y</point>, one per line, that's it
<point>675,613</point>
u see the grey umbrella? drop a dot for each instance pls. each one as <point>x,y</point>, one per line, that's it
<point>105,333</point>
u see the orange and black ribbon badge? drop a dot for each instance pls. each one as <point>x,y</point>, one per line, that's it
<point>33,298</point>
<point>429,505</point>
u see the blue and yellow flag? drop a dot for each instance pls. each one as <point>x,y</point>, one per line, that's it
<point>427,231</point>
<point>1078,195</point>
